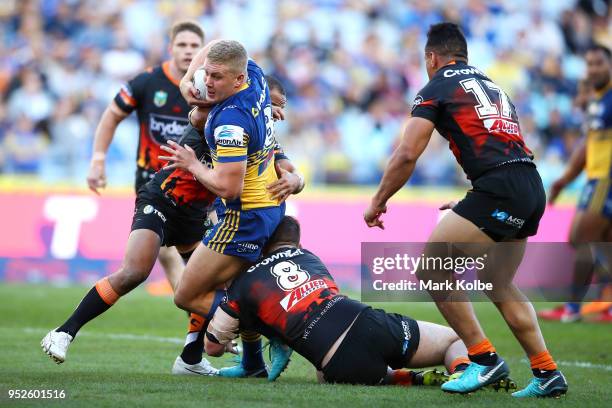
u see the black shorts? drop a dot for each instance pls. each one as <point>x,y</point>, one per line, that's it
<point>506,202</point>
<point>174,224</point>
<point>376,340</point>
<point>143,176</point>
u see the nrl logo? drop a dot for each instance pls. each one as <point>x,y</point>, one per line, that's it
<point>160,98</point>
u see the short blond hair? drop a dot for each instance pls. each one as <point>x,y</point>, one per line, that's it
<point>230,53</point>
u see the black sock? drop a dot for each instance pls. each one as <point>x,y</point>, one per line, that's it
<point>460,367</point>
<point>192,352</point>
<point>90,307</point>
<point>194,345</point>
<point>542,373</point>
<point>485,359</point>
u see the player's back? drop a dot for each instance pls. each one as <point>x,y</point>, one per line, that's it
<point>475,116</point>
<point>599,136</point>
<point>291,294</point>
<point>249,110</point>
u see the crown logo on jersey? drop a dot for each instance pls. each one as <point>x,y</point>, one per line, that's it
<point>160,98</point>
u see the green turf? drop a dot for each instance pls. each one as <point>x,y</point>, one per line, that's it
<point>104,370</point>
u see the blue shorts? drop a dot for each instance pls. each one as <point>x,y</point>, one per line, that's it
<point>597,197</point>
<point>243,233</point>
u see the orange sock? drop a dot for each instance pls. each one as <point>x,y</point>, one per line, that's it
<point>196,322</point>
<point>484,346</point>
<point>106,292</point>
<point>543,361</point>
<point>401,377</point>
<point>458,361</point>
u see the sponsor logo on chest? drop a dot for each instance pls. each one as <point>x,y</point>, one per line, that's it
<point>163,128</point>
<point>301,292</point>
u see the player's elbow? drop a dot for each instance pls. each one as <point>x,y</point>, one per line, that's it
<point>408,154</point>
<point>230,181</point>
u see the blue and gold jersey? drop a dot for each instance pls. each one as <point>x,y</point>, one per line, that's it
<point>241,128</point>
<point>599,136</point>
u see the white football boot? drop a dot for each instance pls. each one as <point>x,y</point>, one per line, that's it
<point>202,368</point>
<point>56,344</point>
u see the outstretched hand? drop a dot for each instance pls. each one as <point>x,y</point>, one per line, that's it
<point>179,157</point>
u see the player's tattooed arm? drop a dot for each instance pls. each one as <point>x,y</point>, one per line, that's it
<point>574,167</point>
<point>400,167</point>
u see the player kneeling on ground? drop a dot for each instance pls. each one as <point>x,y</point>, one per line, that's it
<point>291,295</point>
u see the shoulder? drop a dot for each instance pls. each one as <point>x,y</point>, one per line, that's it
<point>607,98</point>
<point>145,78</point>
<point>232,113</point>
<point>148,74</point>
<point>254,68</point>
<point>429,95</point>
<point>433,88</point>
<point>309,257</point>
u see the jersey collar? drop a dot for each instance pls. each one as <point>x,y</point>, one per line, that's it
<point>605,90</point>
<point>449,65</point>
<point>166,70</point>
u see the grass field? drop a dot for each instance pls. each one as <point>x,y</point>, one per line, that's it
<point>124,358</point>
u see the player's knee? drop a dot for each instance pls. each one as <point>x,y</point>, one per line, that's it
<point>444,335</point>
<point>182,300</point>
<point>128,278</point>
<point>449,335</point>
<point>213,350</point>
<point>167,256</point>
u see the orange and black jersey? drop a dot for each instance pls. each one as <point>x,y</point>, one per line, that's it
<point>178,185</point>
<point>290,294</point>
<point>475,116</point>
<point>162,115</point>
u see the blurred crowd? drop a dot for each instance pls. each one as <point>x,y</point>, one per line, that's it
<point>351,69</point>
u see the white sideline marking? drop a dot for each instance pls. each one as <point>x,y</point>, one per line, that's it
<point>176,340</point>
<point>112,336</point>
<point>579,364</point>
